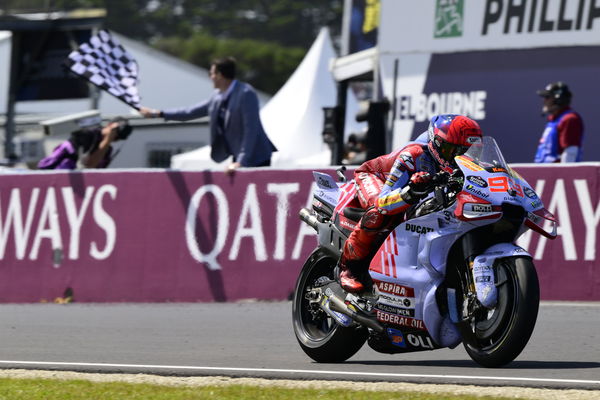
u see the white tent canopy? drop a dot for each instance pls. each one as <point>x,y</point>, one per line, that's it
<point>293,118</point>
<point>196,159</point>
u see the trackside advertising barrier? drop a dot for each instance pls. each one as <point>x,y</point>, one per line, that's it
<point>164,235</point>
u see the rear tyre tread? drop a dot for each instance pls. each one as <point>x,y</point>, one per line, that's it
<point>336,345</point>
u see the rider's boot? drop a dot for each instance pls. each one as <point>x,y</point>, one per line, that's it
<point>350,283</point>
<point>354,276</point>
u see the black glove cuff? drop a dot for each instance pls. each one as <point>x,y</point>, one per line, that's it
<point>408,195</point>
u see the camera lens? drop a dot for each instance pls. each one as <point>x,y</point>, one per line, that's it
<point>123,131</point>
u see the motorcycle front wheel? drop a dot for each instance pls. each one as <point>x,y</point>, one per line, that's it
<point>499,336</point>
<point>319,336</point>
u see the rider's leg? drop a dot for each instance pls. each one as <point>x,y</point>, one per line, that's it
<point>358,250</point>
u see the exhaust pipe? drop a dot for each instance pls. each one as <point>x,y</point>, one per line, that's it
<point>309,218</point>
<point>340,306</point>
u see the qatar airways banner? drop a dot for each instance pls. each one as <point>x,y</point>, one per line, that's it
<point>119,236</point>
<point>113,236</point>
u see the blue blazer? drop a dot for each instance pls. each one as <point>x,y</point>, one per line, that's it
<point>243,137</point>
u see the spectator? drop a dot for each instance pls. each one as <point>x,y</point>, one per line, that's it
<point>563,136</point>
<point>88,147</point>
<point>356,150</point>
<point>235,127</point>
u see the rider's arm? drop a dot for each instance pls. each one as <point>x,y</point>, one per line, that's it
<point>390,199</point>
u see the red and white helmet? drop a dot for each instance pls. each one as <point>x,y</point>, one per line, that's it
<point>451,135</point>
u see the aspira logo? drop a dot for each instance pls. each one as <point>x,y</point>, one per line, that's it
<point>448,18</point>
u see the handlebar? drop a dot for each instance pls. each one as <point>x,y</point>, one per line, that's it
<point>442,198</point>
<point>451,180</point>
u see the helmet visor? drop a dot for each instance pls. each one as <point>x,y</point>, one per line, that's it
<point>449,150</point>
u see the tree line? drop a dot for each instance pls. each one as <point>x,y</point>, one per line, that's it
<point>269,38</point>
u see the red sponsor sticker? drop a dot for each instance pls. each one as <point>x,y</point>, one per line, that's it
<point>347,223</point>
<point>393,288</point>
<point>400,320</point>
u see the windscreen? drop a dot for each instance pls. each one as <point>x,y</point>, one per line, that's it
<point>488,156</point>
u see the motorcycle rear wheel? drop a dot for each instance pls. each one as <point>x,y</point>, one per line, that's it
<point>500,337</point>
<point>319,336</point>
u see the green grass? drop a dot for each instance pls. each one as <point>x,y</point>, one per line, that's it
<point>48,389</point>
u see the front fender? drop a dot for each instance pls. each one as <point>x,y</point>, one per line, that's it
<point>502,250</point>
<point>483,271</point>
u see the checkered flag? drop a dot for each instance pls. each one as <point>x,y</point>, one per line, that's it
<point>105,63</point>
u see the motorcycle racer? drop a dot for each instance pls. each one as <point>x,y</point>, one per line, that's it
<point>388,185</point>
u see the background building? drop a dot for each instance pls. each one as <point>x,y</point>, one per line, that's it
<point>486,60</point>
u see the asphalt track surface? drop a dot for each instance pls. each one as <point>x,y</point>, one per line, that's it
<point>255,339</point>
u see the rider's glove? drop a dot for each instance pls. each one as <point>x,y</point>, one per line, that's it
<point>420,181</point>
<point>417,187</point>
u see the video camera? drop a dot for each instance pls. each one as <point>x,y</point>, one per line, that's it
<point>87,138</point>
<point>124,129</point>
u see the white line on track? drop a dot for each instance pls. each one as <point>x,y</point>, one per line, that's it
<point>570,303</point>
<point>296,371</point>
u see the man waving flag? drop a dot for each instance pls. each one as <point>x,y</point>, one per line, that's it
<point>105,63</point>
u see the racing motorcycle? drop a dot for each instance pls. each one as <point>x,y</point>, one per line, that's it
<point>449,273</point>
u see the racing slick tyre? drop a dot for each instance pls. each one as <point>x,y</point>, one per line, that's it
<point>321,338</point>
<point>501,334</point>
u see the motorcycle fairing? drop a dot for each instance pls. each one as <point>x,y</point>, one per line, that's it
<point>327,190</point>
<point>397,265</point>
<point>395,340</point>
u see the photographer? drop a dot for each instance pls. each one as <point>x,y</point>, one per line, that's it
<point>88,147</point>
